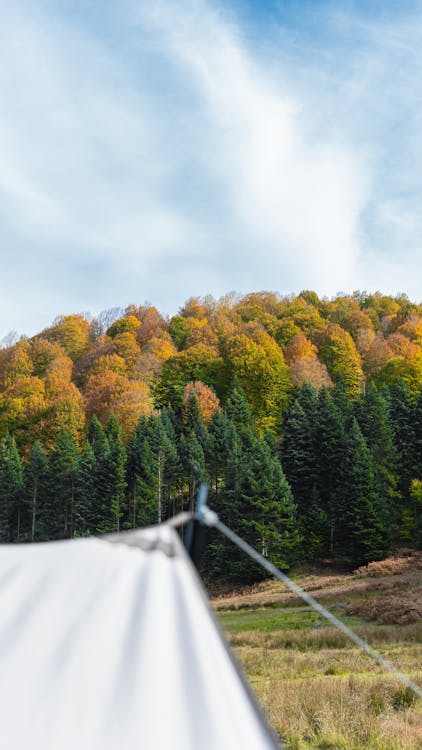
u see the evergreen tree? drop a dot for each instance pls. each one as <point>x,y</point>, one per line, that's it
<point>35,491</point>
<point>85,516</point>
<point>365,538</point>
<point>171,473</point>
<point>372,414</point>
<point>163,444</point>
<point>416,497</point>
<point>61,474</point>
<point>113,506</point>
<point>417,445</point>
<point>148,511</point>
<point>330,441</point>
<point>402,418</point>
<point>137,471</point>
<point>298,457</point>
<point>153,470</point>
<point>269,513</point>
<point>11,490</point>
<point>100,507</point>
<point>193,422</point>
<point>216,452</point>
<point>239,412</point>
<point>193,459</point>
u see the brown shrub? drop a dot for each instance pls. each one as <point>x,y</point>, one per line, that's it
<point>400,608</point>
<point>402,561</point>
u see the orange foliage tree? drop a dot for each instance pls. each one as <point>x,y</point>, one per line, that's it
<point>207,399</point>
<point>305,366</point>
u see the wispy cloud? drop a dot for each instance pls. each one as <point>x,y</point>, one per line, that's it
<point>167,153</point>
<point>292,203</point>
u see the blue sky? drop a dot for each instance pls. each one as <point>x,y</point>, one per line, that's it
<point>158,150</point>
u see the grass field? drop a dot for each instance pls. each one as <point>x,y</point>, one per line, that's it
<point>317,689</point>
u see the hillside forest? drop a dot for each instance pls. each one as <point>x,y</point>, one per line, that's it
<point>304,415</point>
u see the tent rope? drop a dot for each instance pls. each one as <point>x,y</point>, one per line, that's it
<point>209,518</point>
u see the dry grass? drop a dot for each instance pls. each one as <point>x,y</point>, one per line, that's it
<point>313,639</point>
<point>396,607</point>
<point>343,714</point>
<point>394,573</point>
<point>319,691</point>
<point>402,561</point>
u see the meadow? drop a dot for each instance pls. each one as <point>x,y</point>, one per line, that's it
<point>318,690</point>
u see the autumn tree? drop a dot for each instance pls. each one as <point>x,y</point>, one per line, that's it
<point>338,352</point>
<point>72,332</point>
<point>305,366</point>
<point>199,363</point>
<point>258,365</point>
<point>206,399</point>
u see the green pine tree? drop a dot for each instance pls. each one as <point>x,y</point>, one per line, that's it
<point>330,447</point>
<point>115,489</point>
<point>269,514</point>
<point>11,491</point>
<point>403,419</point>
<point>101,476</point>
<point>85,517</point>
<point>35,491</point>
<point>366,538</point>
<point>372,414</point>
<point>58,510</point>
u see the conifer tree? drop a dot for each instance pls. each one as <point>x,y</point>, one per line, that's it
<point>141,478</point>
<point>164,446</point>
<point>114,497</point>
<point>35,490</point>
<point>269,512</point>
<point>307,397</point>
<point>172,473</point>
<point>372,415</point>
<point>85,516</point>
<point>11,490</point>
<point>148,504</point>
<point>416,497</point>
<point>402,419</point>
<point>365,538</point>
<point>61,474</point>
<point>258,505</point>
<point>239,412</point>
<point>417,445</point>
<point>216,451</point>
<point>330,441</point>
<point>193,421</point>
<point>153,470</point>
<point>100,448</point>
<point>193,459</point>
<point>297,456</point>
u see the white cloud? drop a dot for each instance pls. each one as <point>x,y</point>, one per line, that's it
<point>164,156</point>
<point>296,202</point>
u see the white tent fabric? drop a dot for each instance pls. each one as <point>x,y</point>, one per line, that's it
<point>108,645</point>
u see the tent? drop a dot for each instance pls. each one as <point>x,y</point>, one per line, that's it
<point>109,643</point>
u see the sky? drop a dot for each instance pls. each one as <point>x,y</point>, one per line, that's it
<point>157,150</point>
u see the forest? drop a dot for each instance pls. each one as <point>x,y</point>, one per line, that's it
<point>304,416</point>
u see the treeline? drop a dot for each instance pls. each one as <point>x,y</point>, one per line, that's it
<point>129,363</point>
<point>344,482</point>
